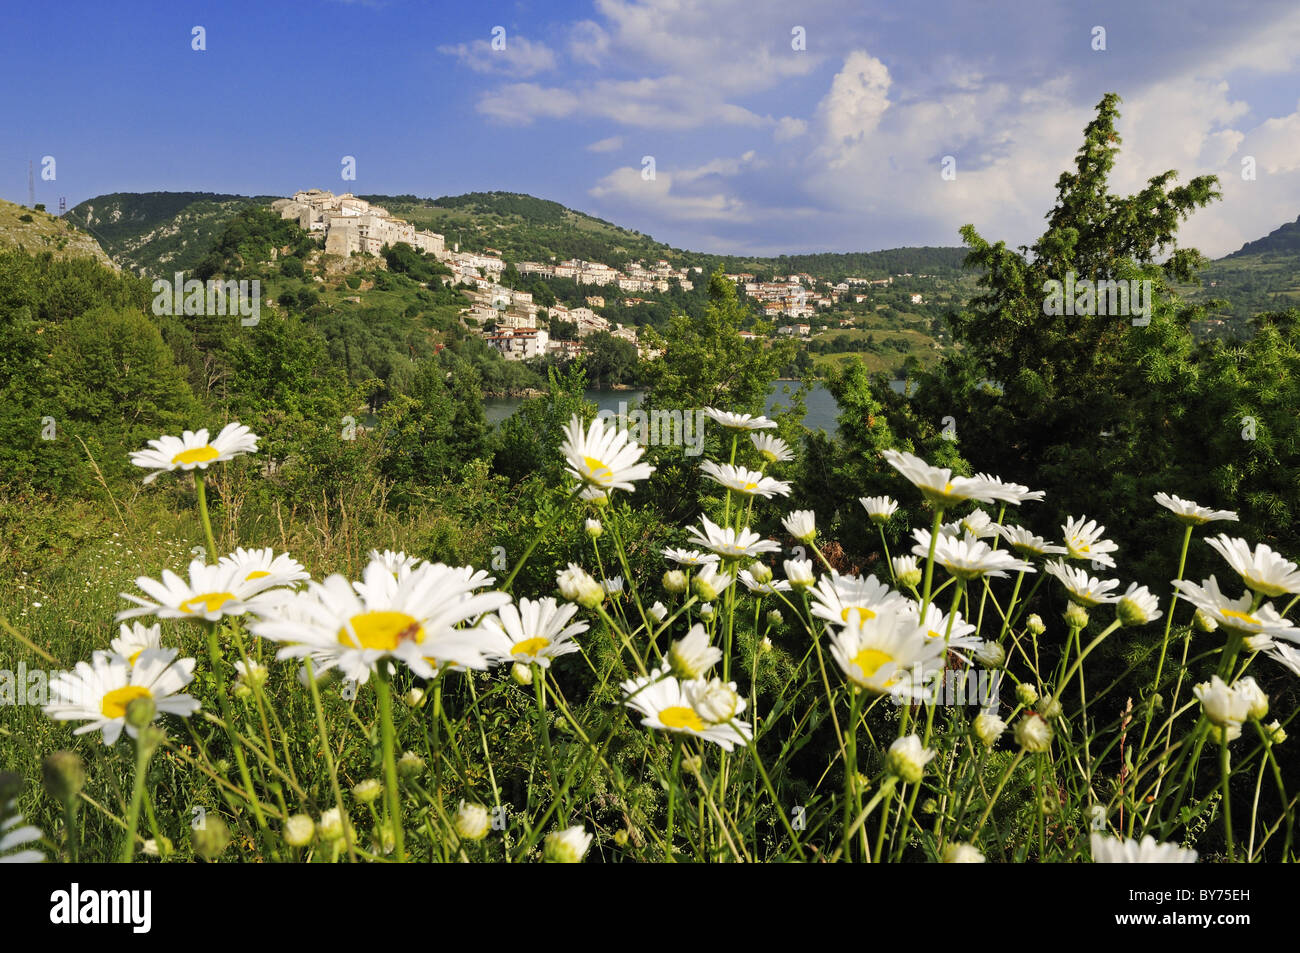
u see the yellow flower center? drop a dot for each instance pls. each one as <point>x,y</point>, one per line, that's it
<point>598,471</point>
<point>870,661</point>
<point>381,630</point>
<point>256,574</point>
<point>530,647</point>
<point>680,716</point>
<point>115,702</point>
<point>934,635</point>
<point>1243,616</point>
<point>749,488</point>
<point>863,612</point>
<point>135,655</point>
<point>209,601</point>
<point>197,455</point>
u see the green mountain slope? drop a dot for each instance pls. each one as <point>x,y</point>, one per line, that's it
<point>1263,275</point>
<point>158,232</point>
<point>37,231</point>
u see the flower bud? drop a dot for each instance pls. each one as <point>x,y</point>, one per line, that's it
<point>962,854</point>
<point>675,581</point>
<point>1203,623</point>
<point>1049,707</point>
<point>799,573</point>
<point>1033,733</point>
<point>907,571</point>
<point>706,612</point>
<point>594,529</point>
<point>331,825</point>
<point>367,790</point>
<point>410,765</point>
<point>140,712</point>
<point>1034,625</point>
<point>710,582</point>
<point>299,830</point>
<point>1275,732</point>
<point>414,697</point>
<point>658,612</point>
<point>577,585</point>
<point>567,846</point>
<point>989,728</point>
<point>774,618</point>
<point>211,838</point>
<point>761,573</point>
<point>907,759</point>
<point>65,775</point>
<point>471,821</point>
<point>990,654</point>
<point>1076,616</point>
<point>1256,700</point>
<point>1026,693</point>
<point>521,673</point>
<point>715,701</point>
<point>929,806</point>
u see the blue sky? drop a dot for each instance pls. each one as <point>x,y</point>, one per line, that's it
<point>758,147</point>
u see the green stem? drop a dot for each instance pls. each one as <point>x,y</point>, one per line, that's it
<point>384,695</point>
<point>1227,795</point>
<point>201,495</point>
<point>144,750</point>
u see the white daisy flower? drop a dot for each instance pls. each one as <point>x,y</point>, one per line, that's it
<point>605,458</point>
<point>763,588</point>
<point>907,570</point>
<point>739,421</point>
<point>1266,572</point>
<point>193,450</point>
<point>1013,493</point>
<point>1083,541</point>
<point>962,637</point>
<point>772,449</point>
<point>136,638</point>
<point>664,702</point>
<point>692,656</point>
<point>937,484</point>
<point>799,573</point>
<point>881,653</point>
<point>413,620</point>
<point>1086,590</point>
<point>1287,655</point>
<point>534,630</point>
<point>730,544</point>
<point>211,593</point>
<point>879,508</point>
<point>399,564</point>
<point>11,836</point>
<point>568,846</point>
<point>1192,514</point>
<point>613,586</point>
<point>1120,850</point>
<point>690,557</point>
<point>99,692</point>
<point>801,524</point>
<point>264,568</point>
<point>1028,544</point>
<point>710,582</point>
<point>744,481</point>
<point>1138,605</point>
<point>1224,705</point>
<point>968,557</point>
<point>977,523</point>
<point>841,600</point>
<point>1235,614</point>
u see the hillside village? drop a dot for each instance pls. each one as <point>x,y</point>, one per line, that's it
<point>509,319</point>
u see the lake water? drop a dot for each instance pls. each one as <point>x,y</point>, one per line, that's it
<point>821,407</point>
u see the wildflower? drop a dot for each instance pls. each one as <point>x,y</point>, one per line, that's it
<point>907,759</point>
<point>613,586</point>
<point>730,544</point>
<point>767,588</point>
<point>841,599</point>
<point>879,508</point>
<point>706,611</point>
<point>1224,705</point>
<point>1034,624</point>
<point>578,585</point>
<point>1119,850</point>
<point>1256,700</point>
<point>690,557</point>
<point>967,557</point>
<point>692,655</point>
<point>1083,589</point>
<point>100,692</point>
<point>1049,707</point>
<point>990,654</point>
<point>532,631</point>
<point>710,582</point>
<point>399,564</point>
<point>1029,544</point>
<point>1083,541</point>
<point>135,638</point>
<point>299,830</point>
<point>331,825</point>
<point>593,528</point>
<point>212,593</point>
<point>739,421</point>
<point>937,484</point>
<point>876,653</point>
<point>988,728</point>
<point>1275,733</point>
<point>431,617</point>
<point>1033,733</point>
<point>1192,514</point>
<point>658,612</point>
<point>801,524</point>
<point>410,765</point>
<point>252,672</point>
<point>1076,616</point>
<point>1138,606</point>
<point>603,458</point>
<point>907,571</point>
<point>675,581</point>
<point>1235,614</point>
<point>1264,571</point>
<point>567,846</point>
<point>1013,493</point>
<point>471,821</point>
<point>772,449</point>
<point>716,701</point>
<point>367,790</point>
<point>799,573</point>
<point>193,450</point>
<point>521,674</point>
<point>11,833</point>
<point>962,854</point>
<point>744,481</point>
<point>667,706</point>
<point>263,569</point>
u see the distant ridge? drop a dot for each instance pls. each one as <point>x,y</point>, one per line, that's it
<point>1284,240</point>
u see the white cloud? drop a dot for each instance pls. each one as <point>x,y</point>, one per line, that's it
<point>688,194</point>
<point>519,57</point>
<point>788,127</point>
<point>610,144</point>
